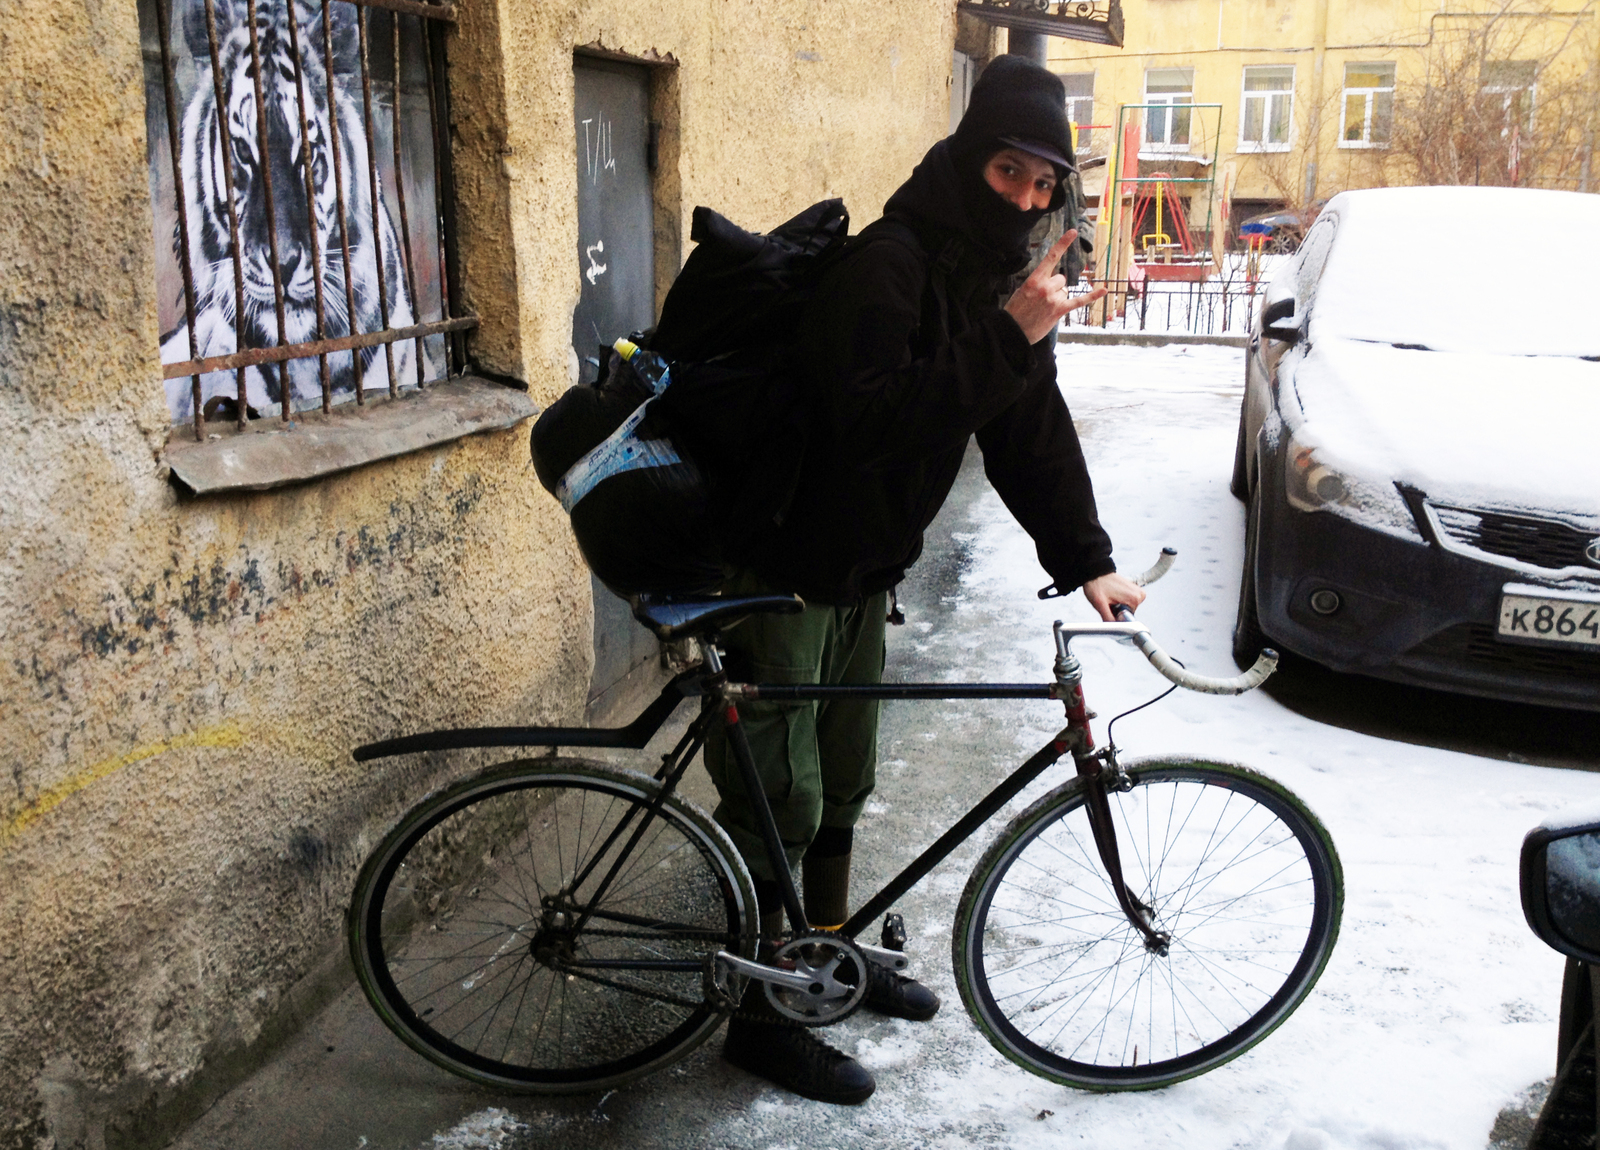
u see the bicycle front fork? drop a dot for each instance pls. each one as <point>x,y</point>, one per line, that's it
<point>1101,773</point>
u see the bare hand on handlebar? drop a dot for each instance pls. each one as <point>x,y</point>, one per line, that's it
<point>1107,592</point>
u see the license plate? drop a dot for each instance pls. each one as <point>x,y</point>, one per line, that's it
<point>1549,617</point>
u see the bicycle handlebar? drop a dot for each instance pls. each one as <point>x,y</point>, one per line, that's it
<point>1130,628</point>
<point>1169,556</point>
<point>1265,664</point>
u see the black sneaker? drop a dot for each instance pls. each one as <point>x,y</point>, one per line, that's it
<point>898,996</point>
<point>797,1060</point>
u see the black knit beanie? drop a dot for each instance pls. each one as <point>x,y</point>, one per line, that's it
<point>1015,103</point>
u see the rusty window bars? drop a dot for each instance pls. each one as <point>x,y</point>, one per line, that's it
<point>284,179</point>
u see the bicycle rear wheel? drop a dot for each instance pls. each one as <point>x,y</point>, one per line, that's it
<point>1239,872</point>
<point>478,938</point>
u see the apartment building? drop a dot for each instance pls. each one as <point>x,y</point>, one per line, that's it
<point>1286,102</point>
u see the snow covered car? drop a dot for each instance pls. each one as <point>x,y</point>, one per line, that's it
<point>1419,445</point>
<point>1561,899</point>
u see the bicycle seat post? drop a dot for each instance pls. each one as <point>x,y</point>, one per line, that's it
<point>717,687</point>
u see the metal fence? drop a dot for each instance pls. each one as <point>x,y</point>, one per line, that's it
<point>1225,303</point>
<point>305,175</point>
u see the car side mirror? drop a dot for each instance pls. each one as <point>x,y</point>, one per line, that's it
<point>1278,320</point>
<point>1561,885</point>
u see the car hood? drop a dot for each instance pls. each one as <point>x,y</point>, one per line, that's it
<point>1479,430</point>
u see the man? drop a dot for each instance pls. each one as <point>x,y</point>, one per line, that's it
<point>908,352</point>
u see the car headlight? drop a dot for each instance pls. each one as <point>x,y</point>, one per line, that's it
<point>1311,483</point>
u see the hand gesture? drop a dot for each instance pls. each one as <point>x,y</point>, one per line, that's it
<point>1042,299</point>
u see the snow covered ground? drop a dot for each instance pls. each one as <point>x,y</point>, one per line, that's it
<point>1438,1004</point>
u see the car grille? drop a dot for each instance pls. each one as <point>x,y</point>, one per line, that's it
<point>1541,542</point>
<point>1475,645</point>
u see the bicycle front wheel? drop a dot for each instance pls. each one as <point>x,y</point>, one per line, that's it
<point>545,925</point>
<point>1235,868</point>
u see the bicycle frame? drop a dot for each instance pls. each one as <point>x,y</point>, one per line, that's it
<point>1096,768</point>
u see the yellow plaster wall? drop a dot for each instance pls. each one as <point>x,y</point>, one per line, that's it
<point>181,679</point>
<point>1219,38</point>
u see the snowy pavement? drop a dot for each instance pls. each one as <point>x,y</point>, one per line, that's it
<point>1436,1009</point>
<point>1438,1004</point>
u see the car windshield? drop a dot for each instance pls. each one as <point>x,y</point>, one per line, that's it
<point>1504,271</point>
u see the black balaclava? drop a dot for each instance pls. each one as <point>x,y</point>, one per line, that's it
<point>1014,104</point>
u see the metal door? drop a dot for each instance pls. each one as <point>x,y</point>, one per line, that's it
<point>616,261</point>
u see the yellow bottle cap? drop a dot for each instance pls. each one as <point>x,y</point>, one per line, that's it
<point>627,349</point>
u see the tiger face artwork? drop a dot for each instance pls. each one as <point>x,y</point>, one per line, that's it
<point>350,292</point>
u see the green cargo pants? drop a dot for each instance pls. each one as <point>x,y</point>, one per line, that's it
<point>817,761</point>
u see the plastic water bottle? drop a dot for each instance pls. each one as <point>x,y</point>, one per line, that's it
<point>647,365</point>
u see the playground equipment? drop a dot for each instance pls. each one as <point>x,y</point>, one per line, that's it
<point>1157,202</point>
<point>1136,191</point>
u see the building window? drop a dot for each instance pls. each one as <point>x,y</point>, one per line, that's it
<point>1266,110</point>
<point>299,173</point>
<point>1368,113</point>
<point>1168,92</point>
<point>1080,105</point>
<point>1508,88</point>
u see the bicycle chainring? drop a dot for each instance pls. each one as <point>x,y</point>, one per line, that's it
<point>831,961</point>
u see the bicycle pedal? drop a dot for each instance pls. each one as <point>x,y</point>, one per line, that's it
<point>894,932</point>
<point>717,986</point>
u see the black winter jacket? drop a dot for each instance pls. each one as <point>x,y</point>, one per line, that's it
<point>905,355</point>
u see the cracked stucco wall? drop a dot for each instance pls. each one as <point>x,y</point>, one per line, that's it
<point>181,680</point>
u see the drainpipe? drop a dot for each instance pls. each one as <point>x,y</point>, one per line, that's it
<point>1314,121</point>
<point>1034,46</point>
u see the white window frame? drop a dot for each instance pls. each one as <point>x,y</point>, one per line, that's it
<point>1267,97</point>
<point>1369,95</point>
<point>1509,91</point>
<point>1169,100</point>
<point>1080,111</point>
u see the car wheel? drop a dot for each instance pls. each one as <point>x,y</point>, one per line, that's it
<point>1247,637</point>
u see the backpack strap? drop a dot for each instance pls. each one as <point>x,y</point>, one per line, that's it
<point>899,230</point>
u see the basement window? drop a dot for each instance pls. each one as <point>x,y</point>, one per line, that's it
<point>299,172</point>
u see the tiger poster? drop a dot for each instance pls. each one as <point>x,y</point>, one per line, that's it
<point>313,167</point>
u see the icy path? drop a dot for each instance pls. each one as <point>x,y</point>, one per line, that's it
<point>1438,1004</point>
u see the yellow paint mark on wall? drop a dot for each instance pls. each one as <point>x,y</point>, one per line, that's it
<point>222,735</point>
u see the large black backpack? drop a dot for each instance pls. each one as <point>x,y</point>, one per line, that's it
<point>719,449</point>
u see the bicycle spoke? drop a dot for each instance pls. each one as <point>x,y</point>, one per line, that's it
<point>1070,984</point>
<point>478,922</point>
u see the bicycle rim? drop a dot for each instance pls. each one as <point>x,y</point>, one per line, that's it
<point>1236,869</point>
<point>465,928</point>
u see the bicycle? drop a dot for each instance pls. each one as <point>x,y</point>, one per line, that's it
<point>558,925</point>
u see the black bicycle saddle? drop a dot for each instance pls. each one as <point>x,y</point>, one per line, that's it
<point>679,616</point>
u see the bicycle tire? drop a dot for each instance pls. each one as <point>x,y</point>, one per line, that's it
<point>457,940</point>
<point>1236,868</point>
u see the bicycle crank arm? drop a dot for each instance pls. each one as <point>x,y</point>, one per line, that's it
<point>788,979</point>
<point>878,956</point>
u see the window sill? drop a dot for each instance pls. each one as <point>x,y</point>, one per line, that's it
<point>1178,154</point>
<point>270,453</point>
<point>1362,146</point>
<point>1247,147</point>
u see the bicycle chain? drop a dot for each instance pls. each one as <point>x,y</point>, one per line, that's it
<point>710,999</point>
<point>712,995</point>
